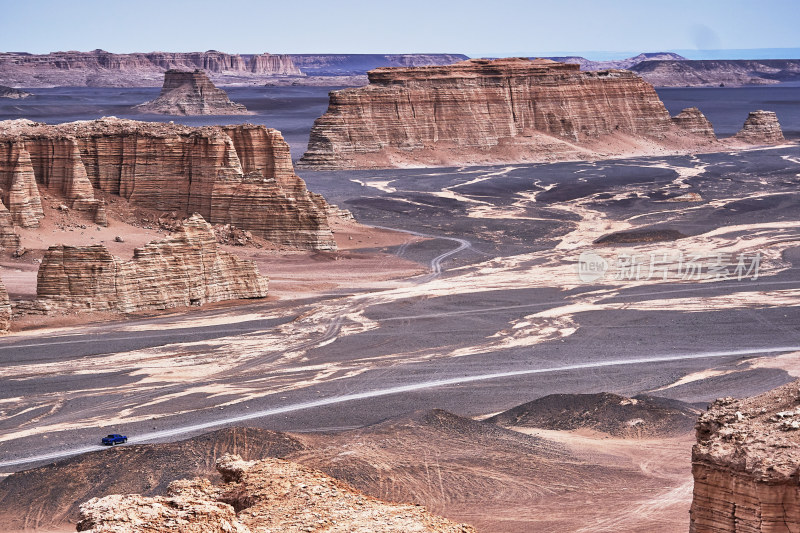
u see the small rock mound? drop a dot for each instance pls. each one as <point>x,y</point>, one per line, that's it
<point>191,93</point>
<point>271,495</point>
<point>640,416</point>
<point>745,464</point>
<point>693,121</point>
<point>10,92</point>
<point>761,127</point>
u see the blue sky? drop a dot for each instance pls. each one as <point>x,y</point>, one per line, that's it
<point>475,28</point>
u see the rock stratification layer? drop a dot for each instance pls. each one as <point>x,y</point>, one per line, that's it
<point>240,175</point>
<point>99,68</point>
<point>185,269</point>
<point>5,309</point>
<point>746,464</point>
<point>761,127</point>
<point>271,495</point>
<point>693,121</point>
<point>191,93</point>
<point>489,111</point>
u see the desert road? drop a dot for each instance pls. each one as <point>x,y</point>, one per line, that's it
<point>502,318</point>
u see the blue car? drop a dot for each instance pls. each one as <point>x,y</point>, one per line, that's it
<point>113,440</point>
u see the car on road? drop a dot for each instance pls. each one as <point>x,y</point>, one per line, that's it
<point>114,439</point>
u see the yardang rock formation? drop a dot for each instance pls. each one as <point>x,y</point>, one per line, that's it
<point>191,93</point>
<point>240,175</point>
<point>761,127</point>
<point>505,110</point>
<point>746,464</point>
<point>271,495</point>
<point>185,269</point>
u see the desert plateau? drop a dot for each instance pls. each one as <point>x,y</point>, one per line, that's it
<point>384,268</point>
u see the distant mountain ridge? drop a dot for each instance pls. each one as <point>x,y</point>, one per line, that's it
<point>627,63</point>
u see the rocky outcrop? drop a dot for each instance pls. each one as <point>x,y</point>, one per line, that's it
<point>18,190</point>
<point>713,73</point>
<point>5,309</point>
<point>746,464</point>
<point>185,269</point>
<point>761,127</point>
<point>272,495</point>
<point>476,111</point>
<point>10,92</point>
<point>694,122</point>
<point>273,64</point>
<point>240,175</point>
<point>191,93</point>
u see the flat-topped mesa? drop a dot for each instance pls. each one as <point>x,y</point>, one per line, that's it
<point>761,127</point>
<point>185,269</point>
<point>746,464</point>
<point>274,64</point>
<point>240,175</point>
<point>504,110</point>
<point>191,93</point>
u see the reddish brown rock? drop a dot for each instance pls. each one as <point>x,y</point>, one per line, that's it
<point>240,175</point>
<point>271,496</point>
<point>18,190</point>
<point>274,64</point>
<point>488,111</point>
<point>694,122</point>
<point>746,464</point>
<point>5,309</point>
<point>761,127</point>
<point>185,269</point>
<point>191,93</point>
<point>9,240</point>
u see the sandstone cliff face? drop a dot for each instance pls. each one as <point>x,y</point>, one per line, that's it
<point>713,73</point>
<point>185,269</point>
<point>272,495</point>
<point>240,175</point>
<point>501,110</point>
<point>274,64</point>
<point>18,190</point>
<point>746,464</point>
<point>5,309</point>
<point>761,127</point>
<point>191,93</point>
<point>693,121</point>
<point>103,69</point>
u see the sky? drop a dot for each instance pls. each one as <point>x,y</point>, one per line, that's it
<point>603,29</point>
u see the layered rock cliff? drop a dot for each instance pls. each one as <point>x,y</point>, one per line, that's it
<point>99,68</point>
<point>746,464</point>
<point>489,111</point>
<point>240,175</point>
<point>694,122</point>
<point>713,73</point>
<point>761,127</point>
<point>191,93</point>
<point>185,269</point>
<point>272,495</point>
<point>5,309</point>
<point>273,64</point>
